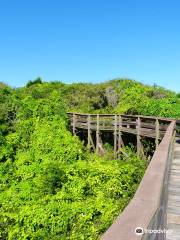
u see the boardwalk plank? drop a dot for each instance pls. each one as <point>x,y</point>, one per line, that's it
<point>173,205</point>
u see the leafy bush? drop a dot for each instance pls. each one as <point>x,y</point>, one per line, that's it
<point>36,81</point>
<point>56,194</point>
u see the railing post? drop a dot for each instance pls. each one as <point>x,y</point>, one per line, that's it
<point>74,123</point>
<point>97,134</point>
<point>138,136</point>
<point>157,132</point>
<point>120,133</point>
<point>115,135</point>
<point>89,130</point>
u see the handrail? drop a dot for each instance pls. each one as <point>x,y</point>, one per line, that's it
<point>144,206</point>
<point>152,127</point>
<point>146,209</point>
<point>126,115</point>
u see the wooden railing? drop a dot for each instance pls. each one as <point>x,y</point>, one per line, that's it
<point>141,126</point>
<point>146,126</point>
<point>147,209</point>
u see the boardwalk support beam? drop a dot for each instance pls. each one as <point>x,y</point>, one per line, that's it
<point>157,132</point>
<point>74,123</point>
<point>89,132</point>
<point>97,134</point>
<point>115,136</point>
<point>140,126</point>
<point>120,141</point>
<point>138,136</point>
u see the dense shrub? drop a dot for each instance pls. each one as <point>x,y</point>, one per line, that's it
<point>52,190</point>
<point>36,81</point>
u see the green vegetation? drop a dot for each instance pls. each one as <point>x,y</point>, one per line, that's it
<point>122,96</point>
<point>51,186</point>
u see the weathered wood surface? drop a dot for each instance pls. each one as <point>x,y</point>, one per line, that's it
<point>156,204</point>
<point>146,126</point>
<point>117,124</point>
<point>173,206</point>
<point>146,209</point>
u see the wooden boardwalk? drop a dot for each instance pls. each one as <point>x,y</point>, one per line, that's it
<point>173,205</point>
<point>118,124</point>
<point>156,203</point>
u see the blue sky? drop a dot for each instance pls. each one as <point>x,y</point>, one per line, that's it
<point>90,41</point>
